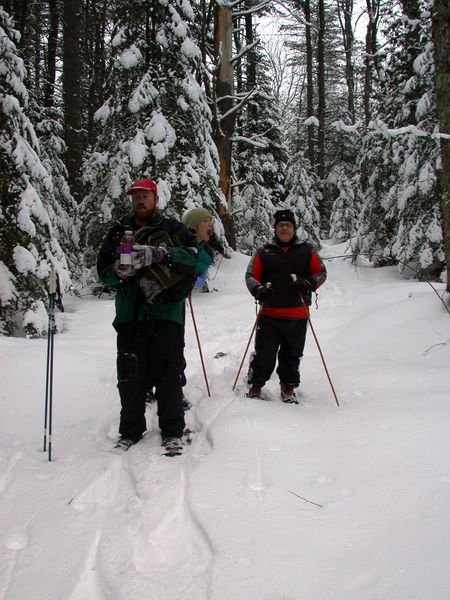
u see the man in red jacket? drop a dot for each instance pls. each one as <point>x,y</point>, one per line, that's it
<point>282,275</point>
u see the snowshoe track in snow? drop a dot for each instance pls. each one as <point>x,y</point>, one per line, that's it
<point>164,553</point>
<point>149,543</point>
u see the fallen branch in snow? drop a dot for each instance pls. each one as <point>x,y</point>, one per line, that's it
<point>306,500</point>
<point>434,346</point>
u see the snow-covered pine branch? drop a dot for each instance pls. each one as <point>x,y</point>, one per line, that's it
<point>379,126</point>
<point>244,51</point>
<point>238,107</point>
<point>252,141</point>
<point>250,10</point>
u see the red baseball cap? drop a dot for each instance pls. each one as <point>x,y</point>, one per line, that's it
<point>143,184</point>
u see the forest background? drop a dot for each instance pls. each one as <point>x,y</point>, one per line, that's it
<point>352,132</point>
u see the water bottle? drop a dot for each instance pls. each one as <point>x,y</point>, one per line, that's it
<point>126,248</point>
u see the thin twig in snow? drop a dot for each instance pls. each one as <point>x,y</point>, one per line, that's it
<point>306,500</point>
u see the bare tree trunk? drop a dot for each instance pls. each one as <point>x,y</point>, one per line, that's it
<point>223,35</point>
<point>37,59</point>
<point>371,59</point>
<point>73,133</point>
<point>96,23</point>
<point>238,73</point>
<point>206,14</point>
<point>345,8</point>
<point>321,89</point>
<point>441,39</point>
<point>251,59</point>
<point>411,9</point>
<point>51,52</point>
<point>309,81</point>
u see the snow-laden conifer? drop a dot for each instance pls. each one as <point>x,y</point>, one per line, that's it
<point>32,220</point>
<point>401,216</point>
<point>155,122</point>
<point>260,158</point>
<point>303,197</point>
<point>342,184</point>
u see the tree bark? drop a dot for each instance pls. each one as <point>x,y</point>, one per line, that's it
<point>345,18</point>
<point>95,43</point>
<point>73,133</point>
<point>309,81</point>
<point>51,52</point>
<point>321,89</point>
<point>441,40</point>
<point>223,36</point>
<point>251,59</point>
<point>371,59</point>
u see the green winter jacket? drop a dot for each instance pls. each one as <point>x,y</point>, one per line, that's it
<point>130,303</point>
<point>205,258</point>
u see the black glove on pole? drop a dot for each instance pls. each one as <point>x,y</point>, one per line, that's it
<point>262,293</point>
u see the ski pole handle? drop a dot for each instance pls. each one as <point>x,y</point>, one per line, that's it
<point>52,283</point>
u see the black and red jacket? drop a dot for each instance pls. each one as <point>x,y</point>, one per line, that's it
<point>275,264</point>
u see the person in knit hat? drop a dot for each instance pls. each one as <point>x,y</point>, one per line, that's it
<point>200,222</point>
<point>281,276</point>
<point>149,329</point>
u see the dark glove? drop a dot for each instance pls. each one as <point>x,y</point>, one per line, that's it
<point>263,293</point>
<point>304,285</point>
<point>144,256</point>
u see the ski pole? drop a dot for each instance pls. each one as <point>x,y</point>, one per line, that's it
<point>323,359</point>
<point>248,344</point>
<point>52,287</point>
<point>199,346</point>
<point>294,278</point>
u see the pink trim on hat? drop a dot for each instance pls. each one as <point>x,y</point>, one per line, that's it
<point>143,184</point>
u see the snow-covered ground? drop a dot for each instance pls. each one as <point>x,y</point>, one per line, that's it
<point>270,501</point>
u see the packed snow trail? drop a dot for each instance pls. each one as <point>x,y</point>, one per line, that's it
<point>270,501</point>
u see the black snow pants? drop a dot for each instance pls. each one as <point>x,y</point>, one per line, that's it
<point>150,350</point>
<point>285,337</point>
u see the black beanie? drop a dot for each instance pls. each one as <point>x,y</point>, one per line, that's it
<point>285,215</point>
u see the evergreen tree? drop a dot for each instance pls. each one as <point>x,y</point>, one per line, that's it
<point>303,197</point>
<point>155,121</point>
<point>401,217</point>
<point>343,186</point>
<point>32,222</point>
<point>65,212</point>
<point>260,159</point>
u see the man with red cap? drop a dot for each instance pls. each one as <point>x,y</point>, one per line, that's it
<point>282,276</point>
<point>149,313</point>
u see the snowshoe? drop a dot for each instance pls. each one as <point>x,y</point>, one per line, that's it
<point>123,445</point>
<point>150,397</point>
<point>288,394</point>
<point>255,392</point>
<point>173,446</point>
